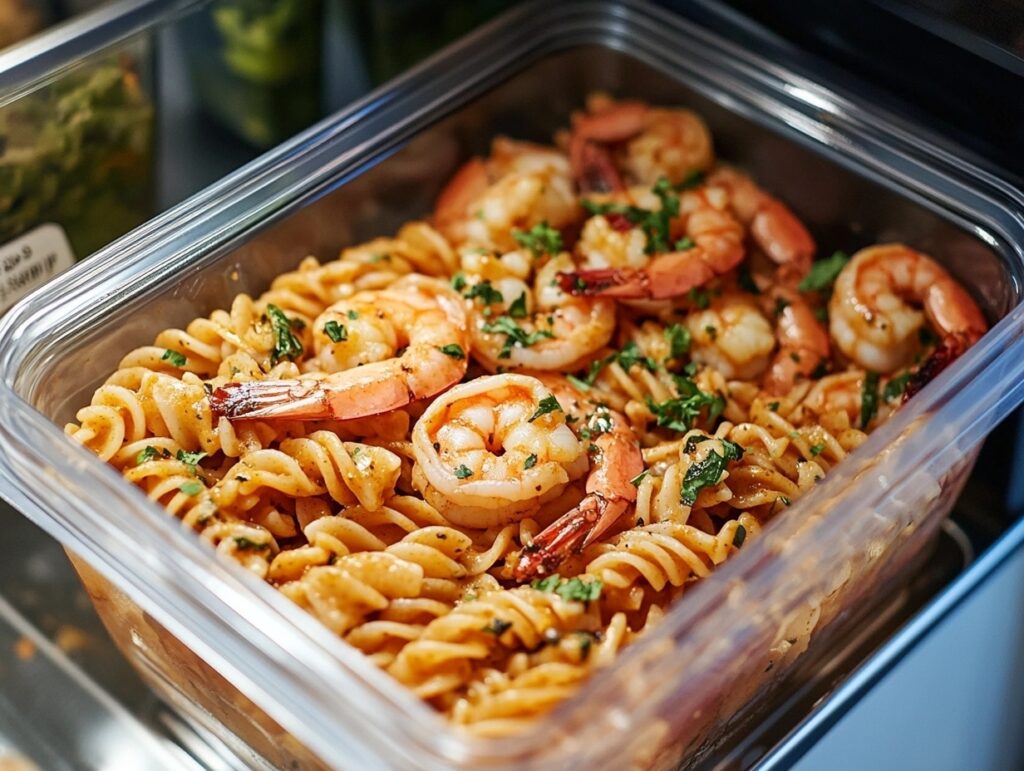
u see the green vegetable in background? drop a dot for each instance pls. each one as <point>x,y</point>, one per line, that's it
<point>78,152</point>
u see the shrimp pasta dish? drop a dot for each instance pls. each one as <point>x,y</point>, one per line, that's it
<point>490,451</point>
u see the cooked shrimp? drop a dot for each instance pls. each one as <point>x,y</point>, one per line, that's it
<point>803,340</point>
<point>706,240</point>
<point>357,340</point>
<point>732,336</point>
<point>538,327</point>
<point>876,308</point>
<point>615,461</point>
<point>773,226</point>
<point>492,450</point>
<point>652,143</point>
<point>519,186</point>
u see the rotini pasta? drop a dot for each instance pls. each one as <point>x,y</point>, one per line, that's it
<point>490,451</point>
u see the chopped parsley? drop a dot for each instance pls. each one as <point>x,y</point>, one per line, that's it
<point>712,332</point>
<point>190,459</point>
<point>452,349</point>
<point>191,488</point>
<point>175,358</point>
<point>739,536</point>
<point>868,398</point>
<point>459,281</point>
<point>572,589</point>
<point>497,627</point>
<point>684,243</point>
<point>484,292</point>
<point>530,462</point>
<point>817,449</point>
<point>693,441</point>
<point>707,472</point>
<point>517,309</point>
<point>540,239</point>
<point>247,544</point>
<point>578,383</point>
<point>824,272</point>
<point>336,331</point>
<point>463,472</point>
<point>693,179</point>
<point>746,281</point>
<point>773,406</point>
<point>352,315</point>
<point>150,453</point>
<point>635,481</point>
<point>628,357</point>
<point>514,334</point>
<point>655,224</point>
<point>679,413</point>
<point>286,345</point>
<point>375,258</point>
<point>678,338</point>
<point>894,388</point>
<point>699,297</point>
<point>544,406</point>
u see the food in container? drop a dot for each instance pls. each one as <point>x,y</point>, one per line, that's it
<point>218,642</point>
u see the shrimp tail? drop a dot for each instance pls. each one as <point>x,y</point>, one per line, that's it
<point>593,168</point>
<point>569,534</point>
<point>270,399</point>
<point>667,275</point>
<point>945,353</point>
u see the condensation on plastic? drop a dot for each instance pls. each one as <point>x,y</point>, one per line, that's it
<point>230,648</point>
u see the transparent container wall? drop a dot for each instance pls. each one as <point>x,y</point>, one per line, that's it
<point>231,649</point>
<point>76,154</point>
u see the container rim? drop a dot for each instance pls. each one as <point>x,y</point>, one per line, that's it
<point>298,683</point>
<point>63,45</point>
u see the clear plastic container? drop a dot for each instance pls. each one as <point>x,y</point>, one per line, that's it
<point>77,136</point>
<point>237,656</point>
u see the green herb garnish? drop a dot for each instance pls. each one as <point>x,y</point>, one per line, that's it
<point>190,459</point>
<point>497,627</point>
<point>699,297</point>
<point>635,481</point>
<point>707,472</point>
<point>894,388</point>
<point>739,536</point>
<point>175,358</point>
<point>484,292</point>
<point>683,244</point>
<point>679,413</point>
<point>246,544</point>
<point>459,282</point>
<point>746,281</point>
<point>773,406</point>
<point>352,315</point>
<point>452,349</point>
<point>517,309</point>
<point>150,453</point>
<point>544,406</point>
<point>572,589</point>
<point>868,398</point>
<point>514,335</point>
<point>463,472</point>
<point>191,488</point>
<point>336,331</point>
<point>817,449</point>
<point>824,272</point>
<point>679,340</point>
<point>286,345</point>
<point>530,462</point>
<point>540,239</point>
<point>655,224</point>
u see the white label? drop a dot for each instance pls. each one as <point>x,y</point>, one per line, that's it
<point>28,262</point>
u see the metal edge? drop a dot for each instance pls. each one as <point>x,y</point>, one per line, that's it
<point>886,658</point>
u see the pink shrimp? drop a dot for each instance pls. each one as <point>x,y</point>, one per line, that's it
<point>654,142</point>
<point>615,461</point>
<point>803,341</point>
<point>883,296</point>
<point>359,337</point>
<point>773,226</point>
<point>714,245</point>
